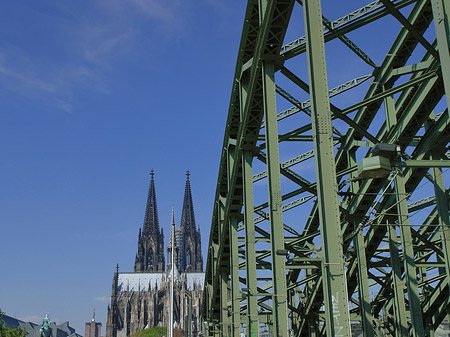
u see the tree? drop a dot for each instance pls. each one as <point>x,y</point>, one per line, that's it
<point>10,332</point>
<point>157,331</point>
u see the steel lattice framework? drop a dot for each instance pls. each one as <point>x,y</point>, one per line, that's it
<point>303,243</point>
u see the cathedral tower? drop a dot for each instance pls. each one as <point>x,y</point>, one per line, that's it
<point>150,255</point>
<point>141,298</point>
<point>191,259</point>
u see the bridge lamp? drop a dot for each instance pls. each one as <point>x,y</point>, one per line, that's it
<point>379,165</point>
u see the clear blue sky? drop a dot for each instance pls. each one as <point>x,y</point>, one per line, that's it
<point>93,95</point>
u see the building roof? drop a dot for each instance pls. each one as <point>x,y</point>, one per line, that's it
<point>139,281</point>
<point>146,281</point>
<point>12,322</point>
<point>197,279</point>
<point>59,330</point>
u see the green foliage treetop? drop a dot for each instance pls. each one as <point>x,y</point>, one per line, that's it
<point>157,331</point>
<point>10,332</point>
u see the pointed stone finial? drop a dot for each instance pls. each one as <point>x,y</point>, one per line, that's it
<point>117,268</point>
<point>173,215</point>
<point>152,173</point>
<point>187,174</point>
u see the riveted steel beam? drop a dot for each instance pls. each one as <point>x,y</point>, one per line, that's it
<point>373,250</point>
<point>335,290</point>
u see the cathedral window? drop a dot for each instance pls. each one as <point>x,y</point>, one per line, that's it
<point>150,258</point>
<point>188,257</point>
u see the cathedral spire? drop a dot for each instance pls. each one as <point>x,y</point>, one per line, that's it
<point>172,227</point>
<point>174,245</point>
<point>190,245</point>
<point>150,255</point>
<point>151,221</point>
<point>187,215</point>
<point>173,216</point>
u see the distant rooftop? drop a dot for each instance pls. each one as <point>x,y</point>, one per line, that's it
<point>11,322</point>
<point>59,330</point>
<point>145,281</point>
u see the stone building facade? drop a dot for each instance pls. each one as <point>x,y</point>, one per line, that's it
<point>141,299</point>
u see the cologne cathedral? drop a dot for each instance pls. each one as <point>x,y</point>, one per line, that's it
<point>141,299</point>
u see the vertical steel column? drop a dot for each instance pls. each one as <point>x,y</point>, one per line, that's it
<point>444,220</point>
<point>334,281</point>
<point>249,225</point>
<point>401,323</point>
<point>222,274</point>
<point>208,330</point>
<point>363,285</point>
<point>313,317</point>
<point>441,22</point>
<point>400,320</point>
<point>223,303</point>
<point>250,255</point>
<point>234,271</point>
<point>279,302</point>
<point>234,258</point>
<point>360,248</point>
<point>216,330</point>
<point>415,307</point>
<point>208,289</point>
<point>275,211</point>
<point>221,219</point>
<point>294,316</point>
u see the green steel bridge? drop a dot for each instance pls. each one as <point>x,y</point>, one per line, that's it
<point>331,208</point>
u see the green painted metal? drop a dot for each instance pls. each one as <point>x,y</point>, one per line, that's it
<point>363,280</point>
<point>235,292</point>
<point>318,250</point>
<point>400,320</point>
<point>225,321</point>
<point>444,220</point>
<point>415,311</point>
<point>335,290</point>
<point>275,206</point>
<point>250,256</point>
<point>305,106</point>
<point>398,305</point>
<point>349,22</point>
<point>422,163</point>
<point>441,10</point>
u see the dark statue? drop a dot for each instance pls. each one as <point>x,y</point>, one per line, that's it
<point>46,329</point>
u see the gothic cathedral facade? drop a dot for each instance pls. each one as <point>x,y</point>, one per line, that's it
<point>140,299</point>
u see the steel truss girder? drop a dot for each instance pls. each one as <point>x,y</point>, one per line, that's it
<point>284,270</point>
